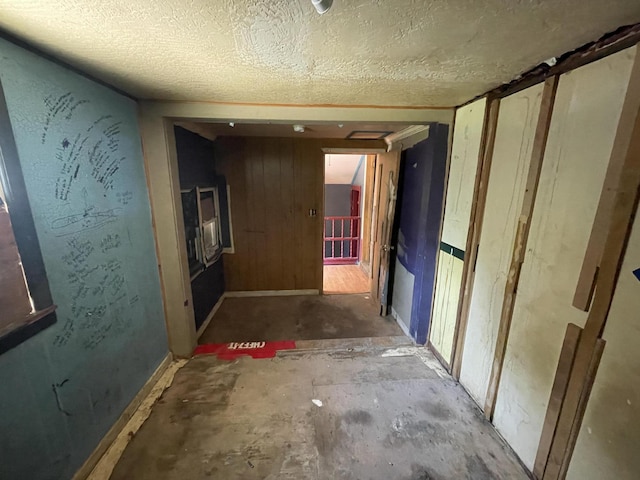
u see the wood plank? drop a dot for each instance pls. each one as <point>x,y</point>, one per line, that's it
<point>237,266</point>
<point>311,179</point>
<point>318,245</point>
<point>390,212</point>
<point>367,212</point>
<point>299,213</point>
<point>473,235</point>
<point>274,228</point>
<point>533,177</point>
<point>287,244</point>
<point>624,208</point>
<point>384,213</point>
<point>587,280</point>
<point>567,355</point>
<point>375,241</point>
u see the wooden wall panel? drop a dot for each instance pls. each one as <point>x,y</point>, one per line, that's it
<point>274,182</point>
<point>583,126</point>
<point>509,167</point>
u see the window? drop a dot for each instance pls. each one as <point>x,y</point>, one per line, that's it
<point>203,227</point>
<point>209,210</point>
<point>26,306</point>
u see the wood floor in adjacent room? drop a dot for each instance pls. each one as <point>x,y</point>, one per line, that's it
<point>304,317</point>
<point>339,279</point>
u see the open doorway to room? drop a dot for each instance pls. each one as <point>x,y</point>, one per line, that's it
<point>345,232</point>
<point>266,281</point>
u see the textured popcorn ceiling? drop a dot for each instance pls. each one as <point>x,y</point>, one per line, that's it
<point>376,52</point>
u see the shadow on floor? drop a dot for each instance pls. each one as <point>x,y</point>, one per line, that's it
<point>308,317</point>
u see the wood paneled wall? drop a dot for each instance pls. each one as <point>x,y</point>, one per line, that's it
<point>274,183</point>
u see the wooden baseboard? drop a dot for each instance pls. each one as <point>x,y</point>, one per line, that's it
<point>207,320</point>
<point>85,470</point>
<point>271,293</point>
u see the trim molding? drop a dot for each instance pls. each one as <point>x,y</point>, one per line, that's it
<point>407,138</point>
<point>271,293</point>
<point>118,428</point>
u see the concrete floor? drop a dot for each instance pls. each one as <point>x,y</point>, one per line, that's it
<point>306,317</point>
<point>382,417</point>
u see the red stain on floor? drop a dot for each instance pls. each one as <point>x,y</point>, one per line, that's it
<point>233,350</point>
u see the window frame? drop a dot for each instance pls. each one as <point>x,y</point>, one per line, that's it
<point>26,238</point>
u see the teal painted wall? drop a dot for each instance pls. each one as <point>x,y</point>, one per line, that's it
<point>80,152</point>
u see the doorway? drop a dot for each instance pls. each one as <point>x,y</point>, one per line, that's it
<point>345,202</point>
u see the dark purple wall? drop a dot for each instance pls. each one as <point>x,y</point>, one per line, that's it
<point>196,167</point>
<point>422,178</point>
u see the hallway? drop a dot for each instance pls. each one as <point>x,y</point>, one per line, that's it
<point>344,412</point>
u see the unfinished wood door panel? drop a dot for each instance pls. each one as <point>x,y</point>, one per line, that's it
<point>373,243</point>
<point>583,126</point>
<point>309,191</point>
<point>507,180</point>
<point>274,182</point>
<point>385,191</point>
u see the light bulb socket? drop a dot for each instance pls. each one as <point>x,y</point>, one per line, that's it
<point>322,6</point>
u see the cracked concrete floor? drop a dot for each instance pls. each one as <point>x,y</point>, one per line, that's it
<point>383,416</point>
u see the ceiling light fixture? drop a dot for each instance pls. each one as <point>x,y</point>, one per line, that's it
<point>298,128</point>
<point>231,124</point>
<point>322,6</point>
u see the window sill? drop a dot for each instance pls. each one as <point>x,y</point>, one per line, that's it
<point>19,331</point>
